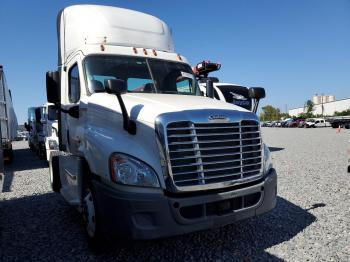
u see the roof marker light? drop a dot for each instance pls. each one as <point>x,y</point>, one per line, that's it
<point>145,51</point>
<point>179,57</point>
<point>135,50</point>
<point>154,52</point>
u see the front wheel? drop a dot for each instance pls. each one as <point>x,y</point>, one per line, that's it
<point>92,222</point>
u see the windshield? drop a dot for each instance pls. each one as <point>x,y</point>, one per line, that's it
<point>52,113</point>
<point>141,75</point>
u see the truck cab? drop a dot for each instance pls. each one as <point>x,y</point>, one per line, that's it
<point>36,139</point>
<point>141,153</point>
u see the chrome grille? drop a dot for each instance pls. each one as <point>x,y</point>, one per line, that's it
<point>208,153</point>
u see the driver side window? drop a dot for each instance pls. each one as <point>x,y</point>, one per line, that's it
<point>74,84</point>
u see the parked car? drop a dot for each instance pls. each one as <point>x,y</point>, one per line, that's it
<point>285,123</point>
<point>302,123</point>
<point>317,122</point>
<point>22,135</point>
<point>295,123</point>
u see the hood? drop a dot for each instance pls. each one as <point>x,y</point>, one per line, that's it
<point>146,107</point>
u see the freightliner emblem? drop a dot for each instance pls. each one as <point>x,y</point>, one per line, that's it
<point>238,96</point>
<point>218,118</point>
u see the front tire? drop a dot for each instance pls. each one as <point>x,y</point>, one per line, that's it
<point>92,223</point>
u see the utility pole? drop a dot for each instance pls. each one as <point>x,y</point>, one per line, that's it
<point>322,104</point>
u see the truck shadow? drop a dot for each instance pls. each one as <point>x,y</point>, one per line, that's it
<point>45,227</point>
<point>24,159</point>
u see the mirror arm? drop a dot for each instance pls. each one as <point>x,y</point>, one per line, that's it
<point>73,111</point>
<point>256,105</point>
<point>210,88</point>
<point>128,124</point>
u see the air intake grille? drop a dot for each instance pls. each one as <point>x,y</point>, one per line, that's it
<point>207,153</point>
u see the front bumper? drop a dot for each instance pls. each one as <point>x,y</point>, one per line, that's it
<point>156,215</point>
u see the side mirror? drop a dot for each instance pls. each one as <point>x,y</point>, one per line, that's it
<point>210,88</point>
<point>74,111</point>
<point>26,126</point>
<point>257,93</point>
<point>116,86</point>
<point>53,87</point>
<point>119,87</point>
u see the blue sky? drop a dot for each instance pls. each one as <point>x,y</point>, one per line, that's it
<point>293,48</point>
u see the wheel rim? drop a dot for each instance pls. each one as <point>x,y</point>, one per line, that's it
<point>90,214</point>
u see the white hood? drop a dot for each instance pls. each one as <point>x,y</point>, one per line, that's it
<point>146,107</point>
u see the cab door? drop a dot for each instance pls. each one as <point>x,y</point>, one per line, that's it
<point>70,120</point>
<point>71,125</point>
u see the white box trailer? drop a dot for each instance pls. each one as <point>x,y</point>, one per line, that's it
<point>8,118</point>
<point>141,153</point>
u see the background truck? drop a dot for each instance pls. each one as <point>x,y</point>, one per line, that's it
<point>142,154</point>
<point>2,174</point>
<point>230,93</point>
<point>8,118</point>
<point>339,121</point>
<point>50,128</point>
<point>35,127</point>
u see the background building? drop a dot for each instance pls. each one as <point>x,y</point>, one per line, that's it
<point>319,99</point>
<point>328,108</point>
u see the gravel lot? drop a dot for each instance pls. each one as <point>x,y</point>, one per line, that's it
<point>311,220</point>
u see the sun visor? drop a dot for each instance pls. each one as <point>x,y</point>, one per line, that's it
<point>91,24</point>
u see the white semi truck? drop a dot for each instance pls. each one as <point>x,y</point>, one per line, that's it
<point>141,153</point>
<point>8,118</point>
<point>50,127</point>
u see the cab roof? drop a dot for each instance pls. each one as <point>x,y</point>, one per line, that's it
<point>80,25</point>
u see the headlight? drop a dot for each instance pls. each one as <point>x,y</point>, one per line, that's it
<point>127,170</point>
<point>53,145</point>
<point>267,159</point>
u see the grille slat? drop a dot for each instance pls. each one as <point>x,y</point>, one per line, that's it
<point>210,134</point>
<point>214,155</point>
<point>216,169</point>
<point>214,148</point>
<point>208,153</point>
<point>216,162</point>
<point>230,175</point>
